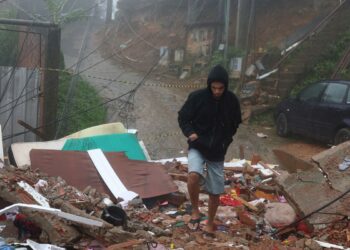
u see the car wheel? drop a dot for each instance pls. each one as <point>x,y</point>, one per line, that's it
<point>342,135</point>
<point>282,125</point>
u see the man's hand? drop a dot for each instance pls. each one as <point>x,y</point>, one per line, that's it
<point>193,137</point>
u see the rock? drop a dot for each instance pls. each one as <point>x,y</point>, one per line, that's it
<point>199,238</point>
<point>192,245</point>
<point>137,202</point>
<point>223,237</point>
<point>279,214</point>
<point>117,235</point>
<point>186,218</point>
<point>143,235</point>
<point>247,219</point>
<point>240,241</point>
<point>300,243</point>
<point>225,213</point>
<point>313,245</point>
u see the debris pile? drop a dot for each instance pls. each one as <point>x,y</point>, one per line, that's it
<point>52,201</point>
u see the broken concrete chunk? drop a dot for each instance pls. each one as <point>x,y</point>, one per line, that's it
<point>279,214</point>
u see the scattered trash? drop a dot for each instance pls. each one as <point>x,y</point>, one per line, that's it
<point>345,164</point>
<point>105,200</point>
<point>261,135</point>
<point>114,215</point>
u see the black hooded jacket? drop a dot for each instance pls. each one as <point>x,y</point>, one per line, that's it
<point>215,121</point>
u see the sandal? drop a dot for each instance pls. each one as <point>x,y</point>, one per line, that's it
<point>195,224</point>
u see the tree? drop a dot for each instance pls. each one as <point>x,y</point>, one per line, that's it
<point>8,40</point>
<point>58,16</point>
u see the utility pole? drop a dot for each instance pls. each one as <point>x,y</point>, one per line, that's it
<point>243,11</point>
<point>51,80</point>
<point>227,26</point>
<point>109,11</point>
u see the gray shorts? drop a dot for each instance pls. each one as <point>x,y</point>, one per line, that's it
<point>212,173</point>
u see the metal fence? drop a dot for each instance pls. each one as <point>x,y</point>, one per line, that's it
<point>19,100</point>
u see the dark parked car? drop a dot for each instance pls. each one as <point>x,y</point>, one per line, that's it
<point>320,111</point>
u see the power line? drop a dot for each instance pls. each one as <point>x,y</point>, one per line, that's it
<point>70,93</point>
<point>315,211</point>
<point>105,59</point>
<point>24,87</point>
<point>183,85</point>
<point>138,35</point>
<point>180,85</point>
<point>20,96</point>
<point>128,104</point>
<point>82,12</point>
<point>111,80</point>
<point>79,112</point>
<point>31,52</point>
<point>19,103</point>
<point>26,12</point>
<point>133,92</point>
<point>13,69</point>
<point>94,50</point>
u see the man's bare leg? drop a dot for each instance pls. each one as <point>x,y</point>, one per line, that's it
<point>212,208</point>
<point>193,190</point>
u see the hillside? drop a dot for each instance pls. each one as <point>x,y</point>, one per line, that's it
<point>143,27</point>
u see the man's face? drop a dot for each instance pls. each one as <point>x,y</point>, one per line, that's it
<point>217,88</point>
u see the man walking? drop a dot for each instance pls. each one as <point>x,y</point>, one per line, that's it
<point>209,119</point>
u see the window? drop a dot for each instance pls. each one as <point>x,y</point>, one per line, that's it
<point>334,93</point>
<point>201,35</point>
<point>313,92</point>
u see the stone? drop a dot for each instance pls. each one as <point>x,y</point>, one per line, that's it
<point>300,243</point>
<point>247,219</point>
<point>313,245</point>
<point>279,214</point>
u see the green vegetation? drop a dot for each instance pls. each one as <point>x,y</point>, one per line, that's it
<point>57,15</point>
<point>325,68</point>
<point>8,41</point>
<point>264,119</point>
<point>85,98</point>
<point>218,56</point>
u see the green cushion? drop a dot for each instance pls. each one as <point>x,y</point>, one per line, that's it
<point>127,143</point>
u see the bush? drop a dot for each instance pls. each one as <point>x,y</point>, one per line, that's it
<point>8,42</point>
<point>325,68</point>
<point>84,98</point>
<point>218,56</point>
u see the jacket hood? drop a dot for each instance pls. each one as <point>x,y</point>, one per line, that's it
<point>218,74</point>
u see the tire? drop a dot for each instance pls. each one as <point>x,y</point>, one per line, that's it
<point>282,125</point>
<point>342,135</point>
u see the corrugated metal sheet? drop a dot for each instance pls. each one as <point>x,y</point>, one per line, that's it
<point>20,102</point>
<point>144,178</point>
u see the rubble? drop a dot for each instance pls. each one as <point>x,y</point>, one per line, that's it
<point>262,208</point>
